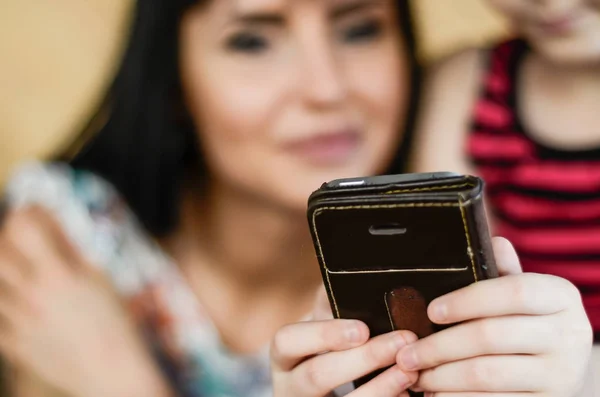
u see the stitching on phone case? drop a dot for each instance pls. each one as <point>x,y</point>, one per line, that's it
<point>387,308</point>
<point>443,269</point>
<point>431,189</point>
<point>317,212</point>
<point>469,246</point>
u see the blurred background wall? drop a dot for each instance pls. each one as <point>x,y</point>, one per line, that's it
<point>445,26</point>
<point>56,58</point>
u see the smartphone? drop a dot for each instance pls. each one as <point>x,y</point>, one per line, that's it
<point>389,245</point>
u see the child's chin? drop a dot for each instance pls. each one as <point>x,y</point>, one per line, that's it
<point>571,52</point>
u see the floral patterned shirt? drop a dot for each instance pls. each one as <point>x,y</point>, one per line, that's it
<point>181,335</point>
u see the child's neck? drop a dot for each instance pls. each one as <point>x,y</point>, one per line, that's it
<point>560,105</point>
<point>572,74</point>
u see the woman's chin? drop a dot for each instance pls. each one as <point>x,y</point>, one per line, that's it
<point>288,185</point>
<point>295,194</point>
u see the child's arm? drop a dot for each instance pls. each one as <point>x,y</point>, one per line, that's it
<point>451,89</point>
<point>450,93</point>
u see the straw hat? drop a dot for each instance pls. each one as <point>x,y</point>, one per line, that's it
<point>59,57</point>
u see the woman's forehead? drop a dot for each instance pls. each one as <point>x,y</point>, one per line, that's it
<point>280,5</point>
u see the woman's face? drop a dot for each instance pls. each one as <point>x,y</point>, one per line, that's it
<point>564,31</point>
<point>288,94</point>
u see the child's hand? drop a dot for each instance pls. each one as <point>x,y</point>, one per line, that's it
<point>522,333</point>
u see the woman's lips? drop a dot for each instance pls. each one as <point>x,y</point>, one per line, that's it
<point>332,148</point>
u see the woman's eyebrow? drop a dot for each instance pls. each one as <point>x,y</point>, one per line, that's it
<point>277,18</point>
<point>259,18</point>
<point>350,7</point>
<point>259,12</point>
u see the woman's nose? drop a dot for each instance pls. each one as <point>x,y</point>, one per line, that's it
<point>322,81</point>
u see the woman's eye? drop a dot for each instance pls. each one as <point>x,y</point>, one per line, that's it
<point>247,42</point>
<point>365,31</point>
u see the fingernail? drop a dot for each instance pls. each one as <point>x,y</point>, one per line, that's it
<point>353,333</point>
<point>429,394</point>
<point>408,358</point>
<point>439,312</point>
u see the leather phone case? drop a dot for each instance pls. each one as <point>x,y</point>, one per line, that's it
<point>387,246</point>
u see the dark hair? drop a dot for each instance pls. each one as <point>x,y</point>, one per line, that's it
<point>147,141</point>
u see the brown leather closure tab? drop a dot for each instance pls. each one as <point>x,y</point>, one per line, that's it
<point>407,309</point>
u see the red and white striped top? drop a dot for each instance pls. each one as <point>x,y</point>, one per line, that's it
<point>545,200</point>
